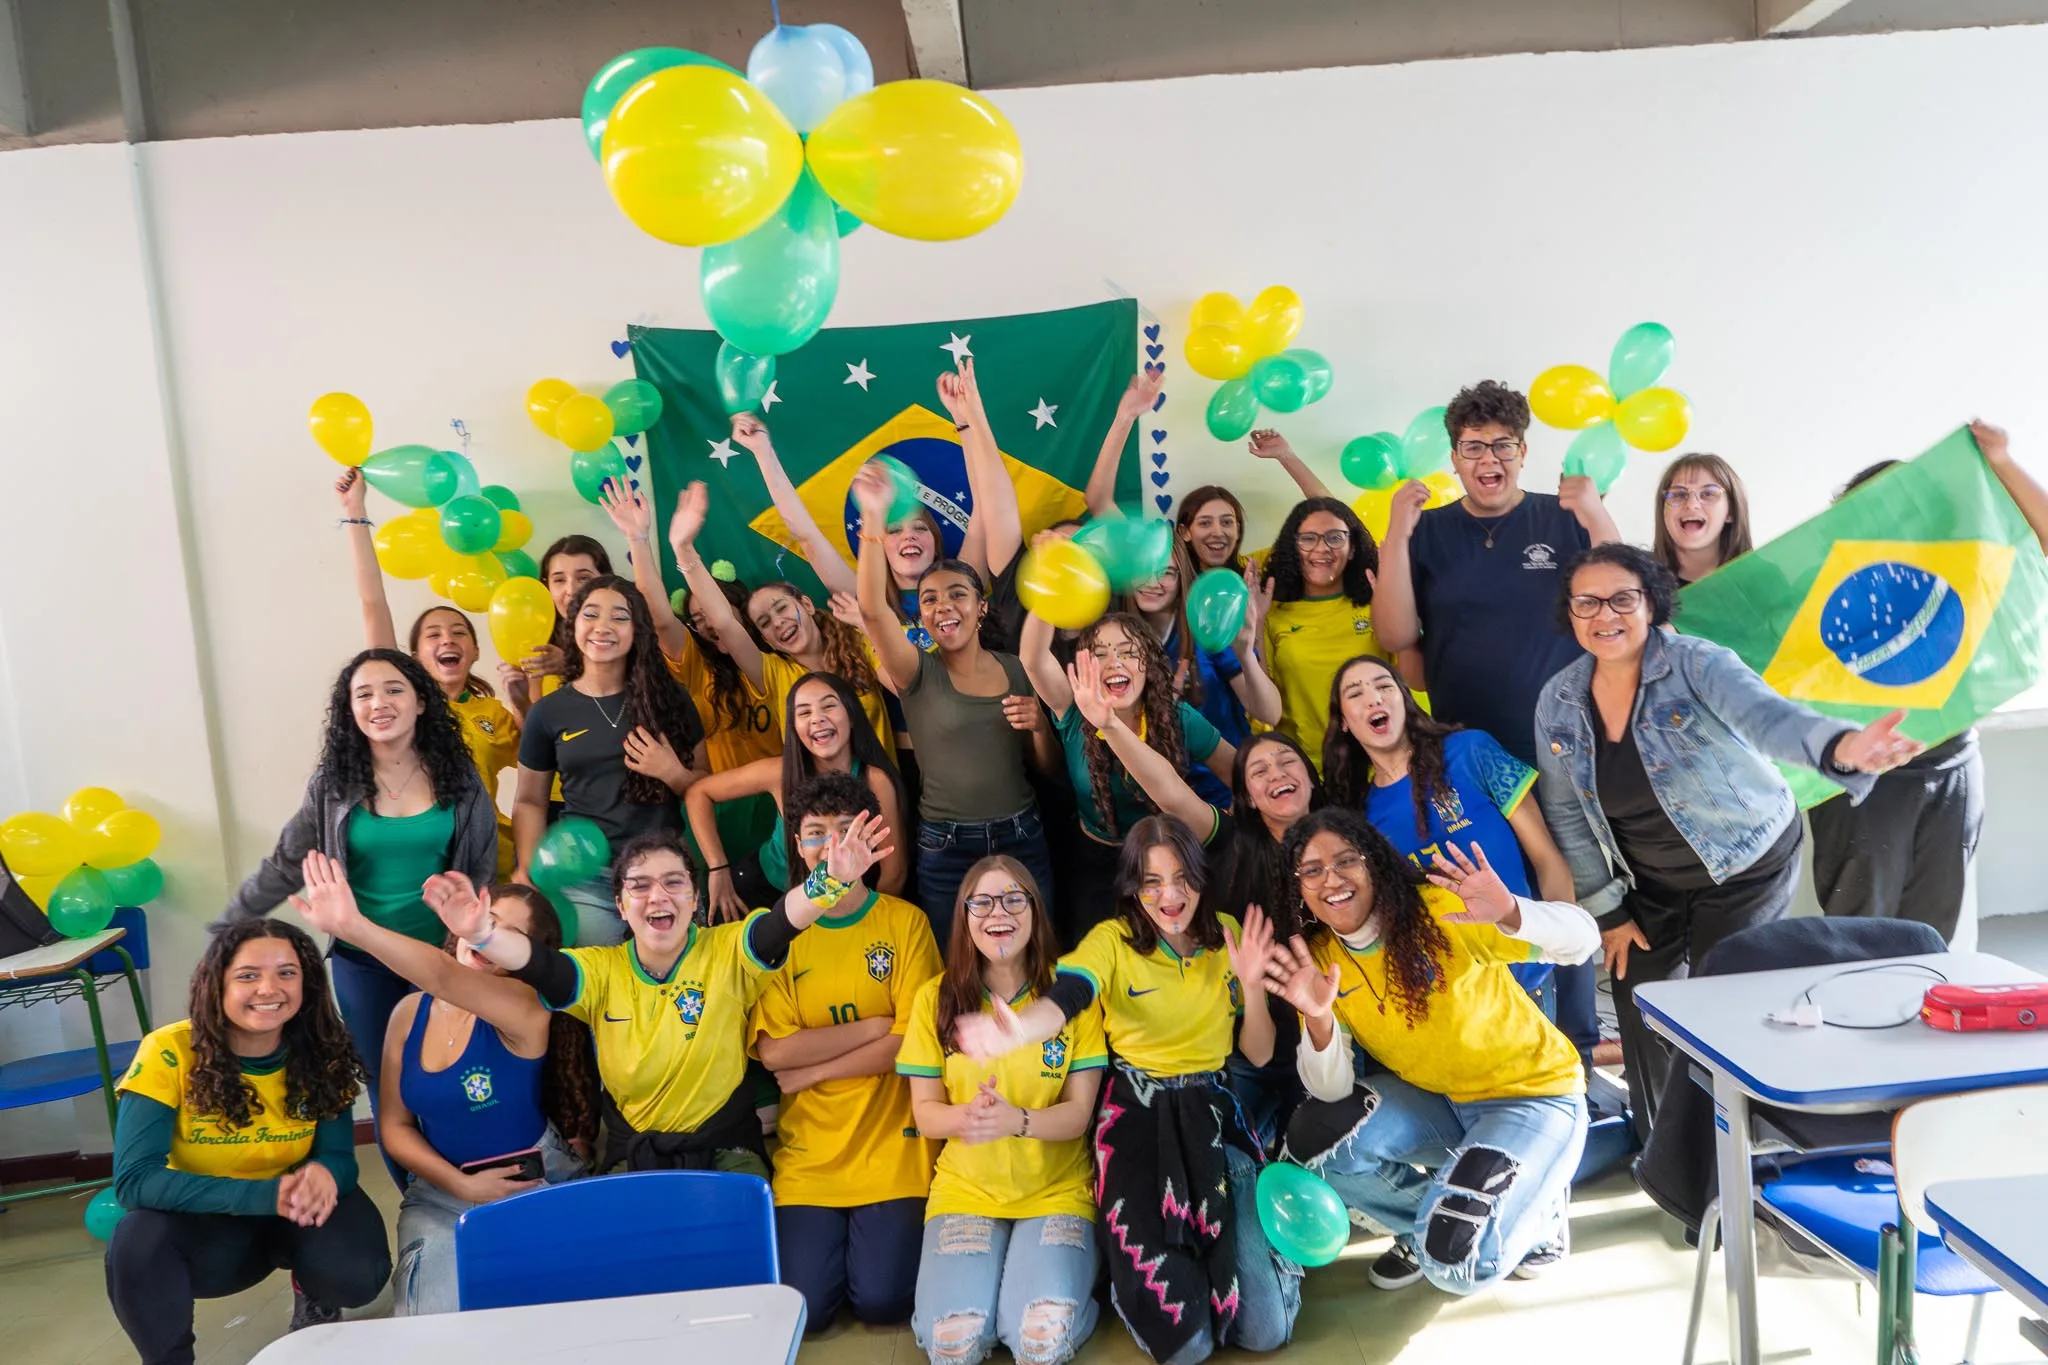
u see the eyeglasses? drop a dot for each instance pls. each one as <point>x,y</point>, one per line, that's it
<point>1624,603</point>
<point>1123,654</point>
<point>1344,865</point>
<point>1706,495</point>
<point>1504,450</point>
<point>639,888</point>
<point>1152,895</point>
<point>1306,541</point>
<point>981,907</point>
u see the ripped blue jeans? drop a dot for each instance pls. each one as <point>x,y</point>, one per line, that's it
<point>1027,1282</point>
<point>1472,1188</point>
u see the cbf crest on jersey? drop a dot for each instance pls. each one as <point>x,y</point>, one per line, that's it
<point>690,1003</point>
<point>476,1085</point>
<point>1054,1054</point>
<point>881,960</point>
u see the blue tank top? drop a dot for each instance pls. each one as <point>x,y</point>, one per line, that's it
<point>485,1105</point>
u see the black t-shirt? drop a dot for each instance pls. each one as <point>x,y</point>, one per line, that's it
<point>1486,596</point>
<point>584,740</point>
<point>1656,852</point>
<point>1005,624</point>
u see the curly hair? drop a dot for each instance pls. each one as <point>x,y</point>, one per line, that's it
<point>1487,403</point>
<point>1412,943</point>
<point>1735,538</point>
<point>730,691</point>
<point>1660,585</point>
<point>321,1070</point>
<point>1159,715</point>
<point>1347,767</point>
<point>474,682</point>
<point>1263,874</point>
<point>1181,631</point>
<point>568,1077</point>
<point>654,698</point>
<point>1283,561</point>
<point>864,749</point>
<point>436,735</point>
<point>846,649</point>
<point>960,988</point>
<point>564,635</point>
<point>1191,507</point>
<point>1170,832</point>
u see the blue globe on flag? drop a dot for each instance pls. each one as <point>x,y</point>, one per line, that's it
<point>941,469</point>
<point>1893,624</point>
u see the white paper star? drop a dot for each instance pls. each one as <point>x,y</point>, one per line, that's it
<point>957,344</point>
<point>1042,414</point>
<point>770,398</point>
<point>723,452</point>
<point>860,374</point>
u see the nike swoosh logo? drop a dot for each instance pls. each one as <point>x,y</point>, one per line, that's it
<point>1134,992</point>
<point>611,1018</point>
<point>568,735</point>
<point>798,976</point>
<point>1342,994</point>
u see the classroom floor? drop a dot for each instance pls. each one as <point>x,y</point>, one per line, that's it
<point>1622,1295</point>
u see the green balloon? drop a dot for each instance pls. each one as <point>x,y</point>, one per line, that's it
<point>518,564</point>
<point>1317,368</point>
<point>101,1213</point>
<point>573,850</point>
<point>502,498</point>
<point>589,469</point>
<point>418,476</point>
<point>467,484</point>
<point>743,379</point>
<point>1373,461</point>
<point>904,502</point>
<point>1599,453</point>
<point>82,903</point>
<point>770,291</point>
<point>1640,358</point>
<point>471,524</point>
<point>139,883</point>
<point>679,603</point>
<point>621,74</point>
<point>1426,445</point>
<point>1281,382</point>
<point>635,405</point>
<point>847,222</point>
<point>1132,550</point>
<point>1216,607</point>
<point>1233,410</point>
<point>1304,1219</point>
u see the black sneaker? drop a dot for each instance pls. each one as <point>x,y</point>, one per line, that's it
<point>1396,1269</point>
<point>1542,1258</point>
<point>306,1313</point>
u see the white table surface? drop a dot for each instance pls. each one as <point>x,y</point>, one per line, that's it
<point>52,958</point>
<point>755,1325</point>
<point>2001,1227</point>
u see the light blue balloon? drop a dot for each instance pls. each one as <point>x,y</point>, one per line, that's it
<point>770,291</point>
<point>801,71</point>
<point>860,70</point>
<point>1599,453</point>
<point>466,480</point>
<point>1640,358</point>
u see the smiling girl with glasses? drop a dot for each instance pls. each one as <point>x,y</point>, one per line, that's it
<point>1702,516</point>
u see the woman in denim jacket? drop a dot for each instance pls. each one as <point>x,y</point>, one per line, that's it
<point>1655,751</point>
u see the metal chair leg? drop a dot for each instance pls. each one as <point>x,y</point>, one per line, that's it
<point>1887,1278</point>
<point>134,987</point>
<point>99,1042</point>
<point>1976,1326</point>
<point>1710,1227</point>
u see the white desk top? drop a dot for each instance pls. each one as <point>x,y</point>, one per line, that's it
<point>1720,1021</point>
<point>2001,1226</point>
<point>55,957</point>
<point>754,1325</point>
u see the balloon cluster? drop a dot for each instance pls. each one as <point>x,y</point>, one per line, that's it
<point>589,426</point>
<point>1068,582</point>
<point>1627,408</point>
<point>1247,348</point>
<point>83,864</point>
<point>462,536</point>
<point>1381,462</point>
<point>767,171</point>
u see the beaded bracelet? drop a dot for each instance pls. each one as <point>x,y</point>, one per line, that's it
<point>824,890</point>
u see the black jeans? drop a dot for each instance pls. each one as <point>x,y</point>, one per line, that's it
<point>159,1262</point>
<point>866,1255</point>
<point>947,850</point>
<point>1903,853</point>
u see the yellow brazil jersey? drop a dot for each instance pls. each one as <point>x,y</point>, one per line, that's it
<point>1303,645</point>
<point>757,735</point>
<point>781,674</point>
<point>852,1140</point>
<point>272,1143</point>
<point>1483,1039</point>
<point>492,733</point>
<point>1164,1014</point>
<point>1010,1177</point>
<point>671,1051</point>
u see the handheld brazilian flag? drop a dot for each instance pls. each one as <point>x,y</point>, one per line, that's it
<point>1923,589</point>
<point>1049,381</point>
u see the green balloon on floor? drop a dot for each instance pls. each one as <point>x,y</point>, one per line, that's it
<point>1303,1217</point>
<point>102,1213</point>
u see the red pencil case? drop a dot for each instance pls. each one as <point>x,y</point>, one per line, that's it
<point>1974,1009</point>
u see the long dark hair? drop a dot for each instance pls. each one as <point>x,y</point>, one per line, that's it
<point>1263,873</point>
<point>1189,667</point>
<point>1159,704</point>
<point>436,736</point>
<point>568,1077</point>
<point>730,691</point>
<point>321,1070</point>
<point>1412,943</point>
<point>1347,767</point>
<point>846,650</point>
<point>960,988</point>
<point>1191,507</point>
<point>654,698</point>
<point>1734,532</point>
<point>1283,562</point>
<point>474,682</point>
<point>564,636</point>
<point>864,749</point>
<point>1164,831</point>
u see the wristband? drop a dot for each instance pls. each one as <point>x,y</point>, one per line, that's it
<point>1024,1130</point>
<point>720,868</point>
<point>824,890</point>
<point>477,944</point>
<point>353,521</point>
<point>872,537</point>
<point>962,426</point>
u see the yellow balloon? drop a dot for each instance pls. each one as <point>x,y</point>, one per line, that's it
<point>1215,351</point>
<point>341,424</point>
<point>522,617</point>
<point>1571,397</point>
<point>514,530</point>
<point>40,845</point>
<point>474,580</point>
<point>922,159</point>
<point>39,889</point>
<point>1653,419</point>
<point>1215,309</point>
<point>583,422</point>
<point>1375,506</point>
<point>696,156</point>
<point>88,806</point>
<point>543,398</point>
<point>126,836</point>
<point>1063,584</point>
<point>1272,320</point>
<point>407,545</point>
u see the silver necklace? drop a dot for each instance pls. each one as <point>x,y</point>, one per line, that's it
<point>393,793</point>
<point>610,720</point>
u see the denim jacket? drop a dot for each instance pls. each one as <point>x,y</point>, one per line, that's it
<point>1707,727</point>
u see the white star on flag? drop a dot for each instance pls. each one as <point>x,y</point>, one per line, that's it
<point>723,452</point>
<point>860,374</point>
<point>770,398</point>
<point>957,344</point>
<point>1042,414</point>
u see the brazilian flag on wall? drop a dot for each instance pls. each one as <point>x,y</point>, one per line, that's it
<point>1923,589</point>
<point>1050,383</point>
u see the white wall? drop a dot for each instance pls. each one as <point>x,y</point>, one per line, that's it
<point>1843,235</point>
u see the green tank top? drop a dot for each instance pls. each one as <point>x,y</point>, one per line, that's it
<point>389,857</point>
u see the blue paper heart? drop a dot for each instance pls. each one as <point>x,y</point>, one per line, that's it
<point>1158,437</point>
<point>633,440</point>
<point>633,462</point>
<point>1159,477</point>
<point>1152,332</point>
<point>1163,500</point>
<point>1159,458</point>
<point>1151,368</point>
<point>635,483</point>
<point>1155,351</point>
<point>1159,402</point>
<point>621,348</point>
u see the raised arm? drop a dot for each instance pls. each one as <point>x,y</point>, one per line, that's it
<point>1579,495</point>
<point>1253,685</point>
<point>1141,395</point>
<point>733,637</point>
<point>2026,493</point>
<point>1268,444</point>
<point>825,561</point>
<point>1788,732</point>
<point>378,630</point>
<point>895,654</point>
<point>1250,950</point>
<point>529,815</point>
<point>700,803</point>
<point>995,530</point>
<point>1048,679</point>
<point>633,516</point>
<point>1394,617</point>
<point>1150,769</point>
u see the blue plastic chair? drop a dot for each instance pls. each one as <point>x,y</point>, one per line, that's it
<point>613,1236</point>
